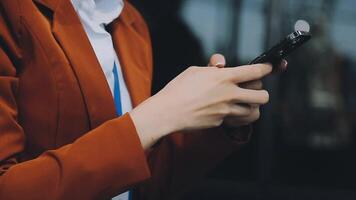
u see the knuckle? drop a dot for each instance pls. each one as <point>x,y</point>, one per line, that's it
<point>225,110</point>
<point>236,95</point>
<point>214,74</point>
<point>220,74</point>
<point>232,94</point>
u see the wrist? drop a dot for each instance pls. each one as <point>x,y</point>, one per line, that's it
<point>152,122</point>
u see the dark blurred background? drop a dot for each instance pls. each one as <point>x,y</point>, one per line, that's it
<point>304,146</point>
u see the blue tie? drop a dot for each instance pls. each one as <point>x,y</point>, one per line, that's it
<point>117,96</point>
<point>117,100</point>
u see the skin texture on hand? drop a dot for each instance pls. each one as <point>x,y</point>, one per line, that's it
<point>202,97</point>
<point>218,60</point>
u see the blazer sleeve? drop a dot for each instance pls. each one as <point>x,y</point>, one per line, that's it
<point>181,159</point>
<point>102,163</point>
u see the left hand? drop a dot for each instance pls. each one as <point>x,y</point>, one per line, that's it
<point>218,60</point>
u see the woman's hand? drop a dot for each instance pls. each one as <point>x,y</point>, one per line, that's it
<point>218,60</point>
<point>198,98</point>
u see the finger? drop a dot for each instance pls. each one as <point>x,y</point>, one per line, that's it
<point>252,85</point>
<point>255,115</point>
<point>242,121</point>
<point>241,110</point>
<point>247,73</point>
<point>217,60</point>
<point>247,96</point>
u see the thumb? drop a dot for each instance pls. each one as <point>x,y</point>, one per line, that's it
<point>217,60</point>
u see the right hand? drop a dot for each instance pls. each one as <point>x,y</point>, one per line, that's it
<point>198,98</point>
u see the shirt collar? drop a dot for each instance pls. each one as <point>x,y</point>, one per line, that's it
<point>100,12</point>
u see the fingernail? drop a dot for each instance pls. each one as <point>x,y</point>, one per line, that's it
<point>219,65</point>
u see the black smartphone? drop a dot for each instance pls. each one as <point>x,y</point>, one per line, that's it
<point>283,48</point>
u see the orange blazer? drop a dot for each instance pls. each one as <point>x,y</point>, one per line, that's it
<point>59,135</point>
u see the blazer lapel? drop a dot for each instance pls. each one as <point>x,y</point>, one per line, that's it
<point>133,52</point>
<point>68,31</point>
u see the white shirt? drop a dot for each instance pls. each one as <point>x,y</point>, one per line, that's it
<point>94,15</point>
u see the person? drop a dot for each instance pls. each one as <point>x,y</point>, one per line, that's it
<point>70,74</point>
